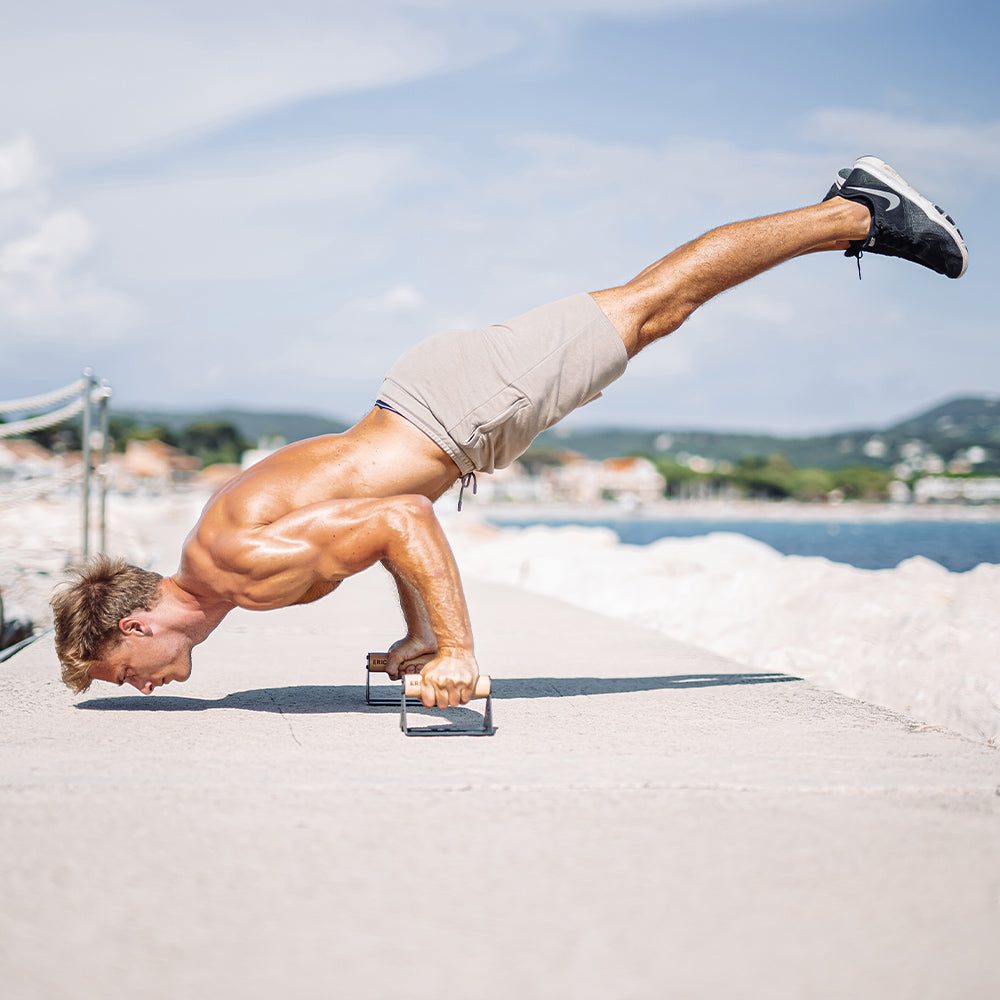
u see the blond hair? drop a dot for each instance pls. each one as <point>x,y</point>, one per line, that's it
<point>87,612</point>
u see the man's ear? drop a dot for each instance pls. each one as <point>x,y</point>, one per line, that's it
<point>134,626</point>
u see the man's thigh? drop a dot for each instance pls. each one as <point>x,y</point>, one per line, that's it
<point>484,395</point>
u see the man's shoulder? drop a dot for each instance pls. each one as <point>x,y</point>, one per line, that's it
<point>218,542</point>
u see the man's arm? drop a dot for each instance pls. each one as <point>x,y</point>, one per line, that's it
<point>420,640</point>
<point>416,546</point>
<point>274,565</point>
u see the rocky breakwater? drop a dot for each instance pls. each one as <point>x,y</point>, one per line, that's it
<point>916,639</point>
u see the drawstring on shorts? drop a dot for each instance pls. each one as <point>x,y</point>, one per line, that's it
<point>469,477</point>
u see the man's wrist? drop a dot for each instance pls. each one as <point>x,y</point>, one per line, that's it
<point>462,650</point>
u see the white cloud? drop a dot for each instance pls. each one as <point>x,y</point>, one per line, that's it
<point>951,148</point>
<point>402,298</point>
<point>305,260</point>
<point>580,8</point>
<point>679,178</point>
<point>261,217</point>
<point>142,75</point>
<point>19,167</point>
<point>58,242</point>
<point>46,285</point>
<point>580,213</point>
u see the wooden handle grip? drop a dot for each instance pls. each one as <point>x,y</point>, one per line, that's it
<point>378,662</point>
<point>411,684</point>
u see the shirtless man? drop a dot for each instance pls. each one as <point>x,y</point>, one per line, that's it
<point>289,529</point>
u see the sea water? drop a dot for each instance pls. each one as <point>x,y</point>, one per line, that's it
<point>956,545</point>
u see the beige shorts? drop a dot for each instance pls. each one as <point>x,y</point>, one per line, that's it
<point>484,395</point>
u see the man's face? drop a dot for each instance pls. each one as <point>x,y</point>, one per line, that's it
<point>145,663</point>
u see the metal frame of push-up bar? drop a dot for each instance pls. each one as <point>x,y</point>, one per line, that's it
<point>408,697</point>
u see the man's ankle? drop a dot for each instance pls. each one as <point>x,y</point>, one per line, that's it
<point>855,218</point>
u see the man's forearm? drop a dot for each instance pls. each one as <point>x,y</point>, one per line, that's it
<point>418,551</point>
<point>414,610</point>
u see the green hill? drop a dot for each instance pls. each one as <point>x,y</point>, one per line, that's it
<point>252,425</point>
<point>966,418</point>
<point>947,430</point>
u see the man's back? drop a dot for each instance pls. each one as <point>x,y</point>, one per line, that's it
<point>382,456</point>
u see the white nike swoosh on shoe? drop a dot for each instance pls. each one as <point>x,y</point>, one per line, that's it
<point>892,199</point>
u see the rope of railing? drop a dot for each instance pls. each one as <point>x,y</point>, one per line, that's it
<point>90,393</point>
<point>48,399</point>
<point>40,423</point>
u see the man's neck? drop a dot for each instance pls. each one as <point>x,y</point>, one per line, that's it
<point>194,615</point>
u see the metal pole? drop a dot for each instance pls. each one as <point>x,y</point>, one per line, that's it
<point>105,396</point>
<point>88,382</point>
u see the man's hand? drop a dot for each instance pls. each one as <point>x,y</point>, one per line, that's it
<point>409,654</point>
<point>449,680</point>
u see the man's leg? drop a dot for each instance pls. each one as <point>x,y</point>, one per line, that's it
<point>660,298</point>
<point>870,209</point>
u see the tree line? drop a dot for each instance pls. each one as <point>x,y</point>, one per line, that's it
<point>775,478</point>
<point>210,442</point>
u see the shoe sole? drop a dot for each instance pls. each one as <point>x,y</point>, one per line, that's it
<point>881,170</point>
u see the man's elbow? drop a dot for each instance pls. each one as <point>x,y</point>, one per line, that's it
<point>405,515</point>
<point>413,505</point>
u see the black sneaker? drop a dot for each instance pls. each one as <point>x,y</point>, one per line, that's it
<point>904,223</point>
<point>838,183</point>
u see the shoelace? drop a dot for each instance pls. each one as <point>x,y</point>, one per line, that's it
<point>857,254</point>
<point>469,477</point>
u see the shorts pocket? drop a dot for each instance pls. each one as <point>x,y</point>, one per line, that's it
<point>495,422</point>
<point>490,433</point>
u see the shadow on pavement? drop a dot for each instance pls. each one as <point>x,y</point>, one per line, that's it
<point>319,698</point>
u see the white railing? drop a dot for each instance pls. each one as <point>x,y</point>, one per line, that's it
<point>84,396</point>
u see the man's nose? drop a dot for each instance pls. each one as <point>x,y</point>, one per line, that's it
<point>145,687</point>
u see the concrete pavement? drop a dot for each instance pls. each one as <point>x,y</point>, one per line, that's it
<point>650,820</point>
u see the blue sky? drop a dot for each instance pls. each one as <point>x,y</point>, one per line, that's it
<point>262,205</point>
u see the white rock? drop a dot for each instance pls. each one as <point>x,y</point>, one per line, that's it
<point>917,638</point>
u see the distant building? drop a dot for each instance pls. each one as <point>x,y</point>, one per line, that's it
<point>513,484</point>
<point>152,464</point>
<point>630,479</point>
<point>899,492</point>
<point>936,489</point>
<point>874,447</point>
<point>24,459</point>
<point>576,480</point>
